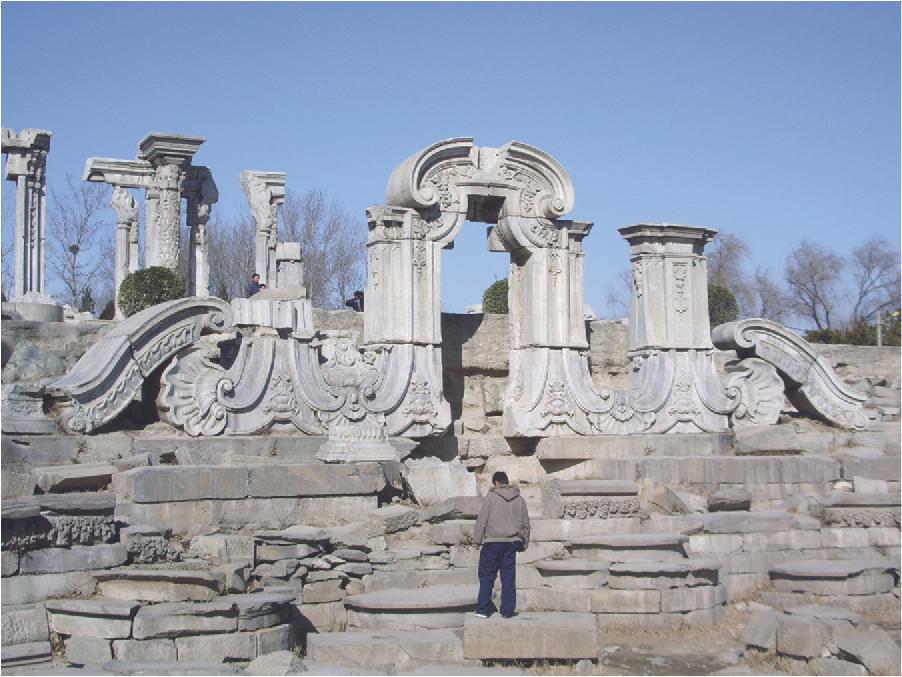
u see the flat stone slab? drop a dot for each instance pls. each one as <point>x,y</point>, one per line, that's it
<point>180,619</point>
<point>742,522</point>
<point>76,477</point>
<point>633,446</point>
<point>824,613</point>
<point>629,541</point>
<point>401,650</point>
<point>76,558</point>
<point>93,607</point>
<point>598,488</point>
<point>20,510</point>
<point>257,603</point>
<point>29,652</point>
<point>158,585</point>
<point>417,599</point>
<point>551,635</point>
<point>664,567</point>
<point>837,568</point>
<point>297,534</point>
<point>77,503</point>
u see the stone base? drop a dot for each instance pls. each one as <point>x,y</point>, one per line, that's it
<point>35,312</point>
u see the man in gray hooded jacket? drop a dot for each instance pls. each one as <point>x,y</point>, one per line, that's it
<point>502,528</point>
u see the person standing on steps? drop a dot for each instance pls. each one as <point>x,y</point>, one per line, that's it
<point>502,529</point>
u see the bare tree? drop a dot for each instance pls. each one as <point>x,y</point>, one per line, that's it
<point>875,278</point>
<point>231,254</point>
<point>812,273</point>
<point>75,222</point>
<point>727,256</point>
<point>770,300</point>
<point>619,294</point>
<point>8,216</point>
<point>332,243</point>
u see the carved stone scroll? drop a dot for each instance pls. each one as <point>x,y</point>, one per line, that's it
<point>110,374</point>
<point>761,392</point>
<point>810,382</point>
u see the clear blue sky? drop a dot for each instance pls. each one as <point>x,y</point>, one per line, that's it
<point>775,121</point>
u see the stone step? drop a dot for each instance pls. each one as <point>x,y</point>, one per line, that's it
<point>531,636</point>
<point>385,649</point>
<point>835,577</point>
<point>24,624</point>
<point>152,667</point>
<point>96,618</point>
<point>575,573</point>
<point>632,446</point>
<point>159,585</point>
<point>626,547</point>
<point>663,575</point>
<point>431,608</point>
<point>598,488</point>
<point>30,653</point>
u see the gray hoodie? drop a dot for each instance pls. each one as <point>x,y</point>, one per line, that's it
<point>502,517</point>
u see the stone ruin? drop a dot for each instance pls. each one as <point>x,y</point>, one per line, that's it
<point>213,484</point>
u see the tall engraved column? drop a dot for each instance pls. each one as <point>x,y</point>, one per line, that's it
<point>265,192</point>
<point>26,165</point>
<point>126,237</point>
<point>170,156</point>
<point>669,321</point>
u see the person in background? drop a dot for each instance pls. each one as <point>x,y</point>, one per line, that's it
<point>253,286</point>
<point>502,528</point>
<point>355,303</point>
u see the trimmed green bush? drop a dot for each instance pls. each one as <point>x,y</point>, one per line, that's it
<point>145,288</point>
<point>494,299</point>
<point>722,305</point>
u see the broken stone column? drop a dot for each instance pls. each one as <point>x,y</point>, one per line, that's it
<point>26,164</point>
<point>126,238</point>
<point>202,194</point>
<point>266,192</point>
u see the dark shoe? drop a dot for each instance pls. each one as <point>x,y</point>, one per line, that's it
<point>479,614</point>
<point>509,615</point>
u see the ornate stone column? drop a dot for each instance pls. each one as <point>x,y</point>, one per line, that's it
<point>202,194</point>
<point>170,156</point>
<point>669,324</point>
<point>26,164</point>
<point>265,192</point>
<point>126,238</point>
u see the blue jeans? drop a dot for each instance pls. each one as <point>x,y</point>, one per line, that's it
<point>492,558</point>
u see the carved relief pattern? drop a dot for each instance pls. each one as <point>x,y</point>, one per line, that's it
<point>419,402</point>
<point>556,404</point>
<point>419,259</point>
<point>680,299</point>
<point>168,180</point>
<point>600,508</point>
<point>761,392</point>
<point>280,401</point>
<point>622,417</point>
<point>637,279</point>
<point>683,405</point>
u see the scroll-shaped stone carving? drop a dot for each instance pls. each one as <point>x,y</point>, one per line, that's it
<point>761,391</point>
<point>810,382</point>
<point>110,374</point>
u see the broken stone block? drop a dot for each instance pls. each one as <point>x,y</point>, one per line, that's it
<point>835,666</point>
<point>276,638</point>
<point>73,478</point>
<point>107,619</point>
<point>24,624</point>
<point>732,498</point>
<point>624,601</point>
<point>801,637</point>
<point>36,588</point>
<point>871,646</point>
<point>267,552</point>
<point>236,646</point>
<point>26,654</point>
<point>761,630</point>
<point>433,607</point>
<point>452,532</point>
<point>393,518</point>
<point>10,562</point>
<point>162,484</point>
<point>573,573</point>
<point>550,635</point>
<point>356,568</point>
<point>276,663</point>
<point>432,480</point>
<point>691,599</point>
<point>350,555</point>
<point>222,547</point>
<point>454,508</point>
<point>324,591</point>
<point>316,479</point>
<point>147,544</point>
<point>88,650</point>
<point>326,617</point>
<point>144,650</point>
<point>833,577</point>
<point>629,547</point>
<point>664,574</point>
